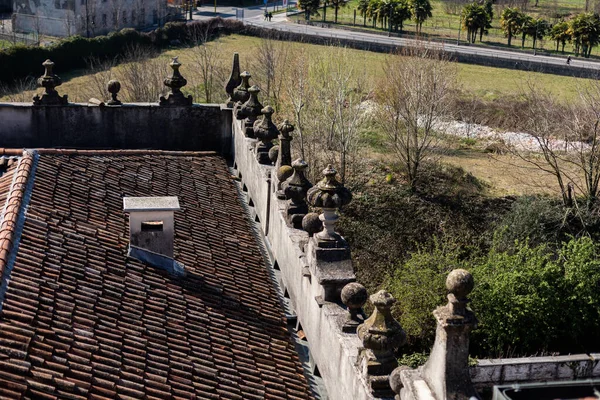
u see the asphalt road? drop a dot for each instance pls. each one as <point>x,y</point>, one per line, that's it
<point>254,16</point>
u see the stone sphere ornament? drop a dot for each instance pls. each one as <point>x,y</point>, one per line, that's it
<point>354,296</point>
<point>284,172</point>
<point>273,153</point>
<point>312,224</point>
<point>460,283</point>
<point>113,87</point>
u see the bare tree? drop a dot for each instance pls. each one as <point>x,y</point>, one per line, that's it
<point>567,142</point>
<point>205,57</point>
<point>69,23</point>
<point>100,73</point>
<point>299,91</point>
<point>339,89</point>
<point>271,59</point>
<point>19,91</point>
<point>142,76</point>
<point>414,98</point>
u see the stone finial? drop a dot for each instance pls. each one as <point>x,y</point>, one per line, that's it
<point>447,369</point>
<point>285,137</point>
<point>396,380</point>
<point>354,296</point>
<point>381,334</point>
<point>114,86</point>
<point>251,110</point>
<point>234,79</point>
<point>175,97</point>
<point>295,189</point>
<point>283,173</point>
<point>49,81</point>
<point>273,154</point>
<point>459,284</point>
<point>241,95</point>
<point>329,195</point>
<point>265,130</point>
<point>312,224</point>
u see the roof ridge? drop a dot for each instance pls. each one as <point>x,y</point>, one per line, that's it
<point>12,207</point>
<point>52,151</point>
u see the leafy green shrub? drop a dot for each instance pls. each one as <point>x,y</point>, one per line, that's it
<point>419,286</point>
<point>385,222</point>
<point>536,219</point>
<point>413,360</point>
<point>516,300</point>
<point>530,299</point>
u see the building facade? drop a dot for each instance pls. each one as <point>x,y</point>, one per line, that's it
<point>86,17</point>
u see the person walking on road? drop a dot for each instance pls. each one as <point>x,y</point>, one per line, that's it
<point>569,60</point>
<point>270,16</point>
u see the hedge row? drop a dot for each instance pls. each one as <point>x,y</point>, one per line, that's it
<point>20,61</point>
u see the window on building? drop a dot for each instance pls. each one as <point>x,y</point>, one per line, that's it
<point>104,20</point>
<point>124,18</point>
<point>115,20</point>
<point>82,2</point>
<point>154,16</point>
<point>133,16</point>
<point>93,21</point>
<point>142,16</point>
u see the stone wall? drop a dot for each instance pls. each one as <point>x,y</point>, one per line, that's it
<point>535,369</point>
<point>131,126</point>
<point>334,353</point>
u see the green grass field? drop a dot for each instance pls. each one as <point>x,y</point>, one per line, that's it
<point>485,82</point>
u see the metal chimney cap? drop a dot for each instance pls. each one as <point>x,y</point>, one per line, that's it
<point>164,203</point>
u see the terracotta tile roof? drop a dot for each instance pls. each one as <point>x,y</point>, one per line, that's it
<point>12,189</point>
<point>82,321</point>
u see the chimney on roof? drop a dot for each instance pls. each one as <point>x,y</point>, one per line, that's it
<point>152,230</point>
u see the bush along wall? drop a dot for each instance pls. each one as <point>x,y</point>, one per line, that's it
<point>20,61</point>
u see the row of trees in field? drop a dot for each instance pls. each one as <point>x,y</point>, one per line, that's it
<point>583,30</point>
<point>388,13</point>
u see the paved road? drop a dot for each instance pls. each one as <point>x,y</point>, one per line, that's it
<point>254,16</point>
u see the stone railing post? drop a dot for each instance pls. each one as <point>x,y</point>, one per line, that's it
<point>250,111</point>
<point>49,81</point>
<point>241,95</point>
<point>265,130</point>
<point>354,296</point>
<point>381,334</point>
<point>295,189</point>
<point>234,80</point>
<point>328,252</point>
<point>175,82</point>
<point>446,373</point>
<point>447,369</point>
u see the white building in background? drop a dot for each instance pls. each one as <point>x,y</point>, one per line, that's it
<point>86,17</point>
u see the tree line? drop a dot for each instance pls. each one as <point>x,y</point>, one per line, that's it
<point>390,14</point>
<point>583,30</point>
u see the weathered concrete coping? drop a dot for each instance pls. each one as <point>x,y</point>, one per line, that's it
<point>534,369</point>
<point>128,126</point>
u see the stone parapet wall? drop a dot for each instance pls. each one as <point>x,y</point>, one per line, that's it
<point>535,369</point>
<point>334,353</point>
<point>130,126</point>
